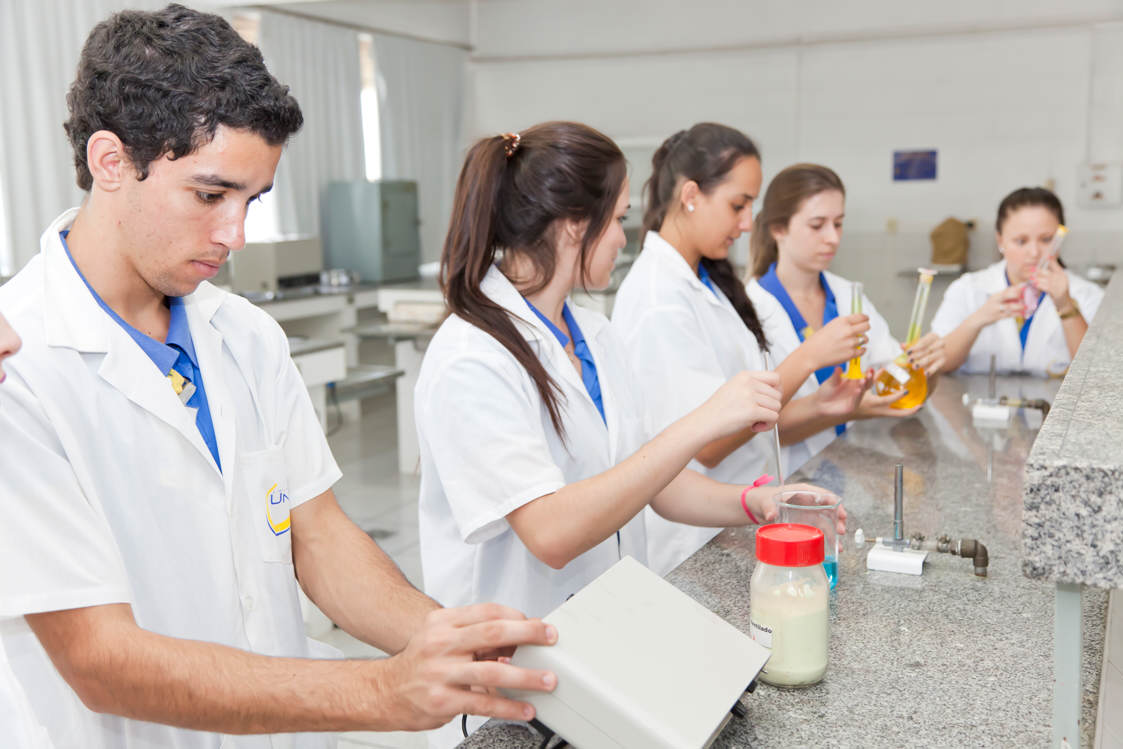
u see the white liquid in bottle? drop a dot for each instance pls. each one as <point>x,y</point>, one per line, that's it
<point>792,620</point>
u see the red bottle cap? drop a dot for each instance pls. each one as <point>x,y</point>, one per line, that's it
<point>789,545</point>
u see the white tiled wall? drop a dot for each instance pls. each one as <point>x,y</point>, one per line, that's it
<point>1010,94</point>
<point>550,27</point>
<point>1004,108</point>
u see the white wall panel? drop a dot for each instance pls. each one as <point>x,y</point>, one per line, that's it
<point>1010,94</point>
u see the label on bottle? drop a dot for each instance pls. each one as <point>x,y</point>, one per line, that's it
<point>898,373</point>
<point>761,633</point>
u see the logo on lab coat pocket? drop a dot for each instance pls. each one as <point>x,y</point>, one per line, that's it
<point>277,510</point>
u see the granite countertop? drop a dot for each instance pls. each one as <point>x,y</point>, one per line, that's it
<point>946,658</point>
<point>1074,475</point>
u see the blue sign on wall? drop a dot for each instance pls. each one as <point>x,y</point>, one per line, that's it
<point>910,165</point>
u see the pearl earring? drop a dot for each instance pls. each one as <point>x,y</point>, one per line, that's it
<point>690,207</point>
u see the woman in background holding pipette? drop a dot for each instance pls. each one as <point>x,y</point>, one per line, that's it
<point>795,238</point>
<point>688,325</point>
<point>1026,309</point>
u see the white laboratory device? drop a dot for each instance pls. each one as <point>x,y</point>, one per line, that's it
<point>988,412</point>
<point>887,558</point>
<point>640,664</point>
<point>991,415</point>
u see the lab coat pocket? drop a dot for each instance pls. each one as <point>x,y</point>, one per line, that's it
<point>262,483</point>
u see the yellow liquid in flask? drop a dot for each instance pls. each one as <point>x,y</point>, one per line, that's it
<point>901,375</point>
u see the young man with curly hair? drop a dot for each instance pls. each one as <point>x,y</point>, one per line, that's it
<point>165,480</point>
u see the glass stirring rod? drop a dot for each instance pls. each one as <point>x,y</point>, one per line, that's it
<point>775,432</point>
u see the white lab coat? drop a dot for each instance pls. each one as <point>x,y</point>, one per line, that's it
<point>488,447</point>
<point>683,342</point>
<point>1046,352</point>
<point>783,340</point>
<point>19,725</point>
<point>109,494</point>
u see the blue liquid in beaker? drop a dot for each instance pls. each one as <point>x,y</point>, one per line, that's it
<point>830,565</point>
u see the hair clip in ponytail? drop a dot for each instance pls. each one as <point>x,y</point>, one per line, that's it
<point>511,143</point>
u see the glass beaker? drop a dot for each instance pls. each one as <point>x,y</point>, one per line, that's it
<point>820,511</point>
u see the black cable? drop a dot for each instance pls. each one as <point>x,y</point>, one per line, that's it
<point>547,734</point>
<point>464,724</point>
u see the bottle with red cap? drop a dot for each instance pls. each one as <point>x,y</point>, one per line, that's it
<point>789,598</point>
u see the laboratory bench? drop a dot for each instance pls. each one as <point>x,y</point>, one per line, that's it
<point>946,658</point>
<point>1074,512</point>
<point>338,316</point>
<point>398,319</point>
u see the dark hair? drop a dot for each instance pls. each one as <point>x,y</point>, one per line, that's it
<point>511,193</point>
<point>704,154</point>
<point>164,81</point>
<point>1028,196</point>
<point>785,195</point>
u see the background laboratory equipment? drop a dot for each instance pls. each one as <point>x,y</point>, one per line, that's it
<point>373,228</point>
<point>900,374</point>
<point>788,604</point>
<point>819,511</point>
<point>267,267</point>
<point>854,369</point>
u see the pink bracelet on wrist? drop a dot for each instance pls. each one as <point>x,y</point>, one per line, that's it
<point>761,481</point>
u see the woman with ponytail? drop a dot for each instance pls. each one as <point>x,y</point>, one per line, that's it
<point>535,463</point>
<point>795,237</point>
<point>688,324</point>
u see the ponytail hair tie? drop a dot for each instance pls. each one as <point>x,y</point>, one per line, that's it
<point>511,143</point>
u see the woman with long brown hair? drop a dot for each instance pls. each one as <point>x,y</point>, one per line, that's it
<point>535,462</point>
<point>688,325</point>
<point>795,237</point>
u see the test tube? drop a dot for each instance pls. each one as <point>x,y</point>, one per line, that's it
<point>854,368</point>
<point>1031,293</point>
<point>1054,247</point>
<point>919,304</point>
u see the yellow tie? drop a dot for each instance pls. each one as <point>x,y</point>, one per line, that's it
<point>181,386</point>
